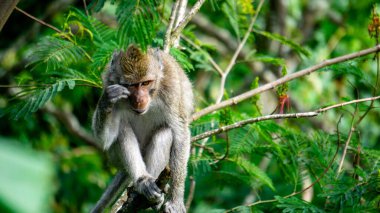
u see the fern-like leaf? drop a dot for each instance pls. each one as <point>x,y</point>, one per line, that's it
<point>53,53</point>
<point>299,49</point>
<point>102,34</point>
<point>138,21</point>
<point>37,99</point>
<point>230,9</point>
<point>255,172</point>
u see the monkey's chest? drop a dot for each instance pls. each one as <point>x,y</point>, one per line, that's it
<point>144,126</point>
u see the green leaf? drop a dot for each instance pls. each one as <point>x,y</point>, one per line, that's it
<point>299,49</point>
<point>97,5</point>
<point>230,10</point>
<point>103,35</point>
<point>70,84</point>
<point>138,20</point>
<point>294,204</point>
<point>182,59</point>
<point>36,98</point>
<point>242,209</point>
<point>255,172</point>
<point>53,53</point>
<point>340,69</point>
<point>268,59</point>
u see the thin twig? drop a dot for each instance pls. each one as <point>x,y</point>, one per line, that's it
<point>237,52</point>
<point>72,124</point>
<point>347,103</point>
<point>277,116</point>
<point>180,14</point>
<point>225,156</point>
<point>85,7</point>
<point>177,31</point>
<point>223,80</point>
<point>191,195</point>
<point>352,129</point>
<point>250,121</point>
<point>167,43</point>
<point>283,80</point>
<point>38,20</point>
<point>374,92</point>
<point>213,63</point>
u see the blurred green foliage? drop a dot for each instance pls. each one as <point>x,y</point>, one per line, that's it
<point>26,180</point>
<point>265,161</point>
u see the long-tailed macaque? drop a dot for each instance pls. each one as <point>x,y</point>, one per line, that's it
<point>142,122</point>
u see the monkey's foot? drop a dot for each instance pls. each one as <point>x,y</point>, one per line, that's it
<point>146,186</point>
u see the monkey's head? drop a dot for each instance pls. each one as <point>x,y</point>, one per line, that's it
<point>140,73</point>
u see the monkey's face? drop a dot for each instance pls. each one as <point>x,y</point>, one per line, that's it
<point>140,95</point>
<point>140,73</point>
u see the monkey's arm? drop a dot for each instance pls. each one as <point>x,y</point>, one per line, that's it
<point>105,122</point>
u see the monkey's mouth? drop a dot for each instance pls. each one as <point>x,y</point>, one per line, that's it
<point>140,111</point>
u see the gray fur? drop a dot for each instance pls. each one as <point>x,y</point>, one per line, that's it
<point>143,144</point>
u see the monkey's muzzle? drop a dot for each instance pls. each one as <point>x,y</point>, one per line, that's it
<point>140,111</point>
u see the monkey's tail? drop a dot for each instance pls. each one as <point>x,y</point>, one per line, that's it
<point>117,185</point>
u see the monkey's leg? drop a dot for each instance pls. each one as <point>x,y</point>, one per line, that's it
<point>156,157</point>
<point>180,152</point>
<point>132,160</point>
<point>157,153</point>
<point>118,184</point>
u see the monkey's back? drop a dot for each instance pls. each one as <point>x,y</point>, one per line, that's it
<point>177,88</point>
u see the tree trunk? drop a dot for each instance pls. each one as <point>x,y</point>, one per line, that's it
<point>6,8</point>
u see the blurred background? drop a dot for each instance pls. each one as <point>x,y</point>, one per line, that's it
<point>50,163</point>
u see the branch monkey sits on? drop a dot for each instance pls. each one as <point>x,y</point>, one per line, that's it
<point>142,122</point>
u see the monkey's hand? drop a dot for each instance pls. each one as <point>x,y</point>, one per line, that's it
<point>146,186</point>
<point>116,92</point>
<point>174,206</point>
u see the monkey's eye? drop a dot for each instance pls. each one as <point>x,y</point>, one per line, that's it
<point>125,85</point>
<point>146,83</point>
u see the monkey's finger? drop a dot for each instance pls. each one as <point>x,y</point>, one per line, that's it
<point>114,86</point>
<point>126,92</point>
<point>152,192</point>
<point>154,186</point>
<point>116,99</point>
<point>115,89</point>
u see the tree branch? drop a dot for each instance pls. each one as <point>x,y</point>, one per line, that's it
<point>250,121</point>
<point>72,124</point>
<point>180,14</point>
<point>277,116</point>
<point>170,27</point>
<point>38,20</point>
<point>211,60</point>
<point>283,80</point>
<point>237,52</point>
<point>178,29</point>
<point>6,9</point>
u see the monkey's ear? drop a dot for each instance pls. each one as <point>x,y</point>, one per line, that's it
<point>115,56</point>
<point>134,53</point>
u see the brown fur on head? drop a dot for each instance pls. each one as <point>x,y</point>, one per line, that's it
<point>134,64</point>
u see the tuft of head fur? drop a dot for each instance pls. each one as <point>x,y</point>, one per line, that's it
<point>133,63</point>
